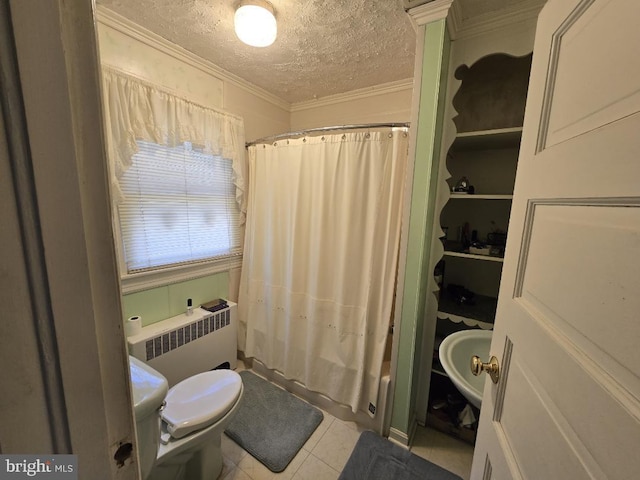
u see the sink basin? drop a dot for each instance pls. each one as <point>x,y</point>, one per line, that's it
<point>456,351</point>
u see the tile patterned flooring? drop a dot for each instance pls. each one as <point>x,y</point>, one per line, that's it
<point>328,449</point>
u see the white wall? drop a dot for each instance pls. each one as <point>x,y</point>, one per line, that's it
<point>384,103</point>
<point>130,55</point>
<point>261,117</point>
<point>145,55</point>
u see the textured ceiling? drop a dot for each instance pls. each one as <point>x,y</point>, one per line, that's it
<point>324,47</point>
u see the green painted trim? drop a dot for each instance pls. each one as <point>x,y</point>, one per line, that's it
<point>427,158</point>
<point>168,301</point>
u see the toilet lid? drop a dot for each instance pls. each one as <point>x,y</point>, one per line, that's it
<point>201,400</point>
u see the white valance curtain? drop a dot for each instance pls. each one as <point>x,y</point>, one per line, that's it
<point>320,259</point>
<point>136,110</point>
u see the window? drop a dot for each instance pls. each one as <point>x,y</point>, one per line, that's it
<point>179,208</point>
<point>178,174</point>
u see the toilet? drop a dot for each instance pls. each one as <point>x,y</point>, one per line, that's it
<point>179,429</point>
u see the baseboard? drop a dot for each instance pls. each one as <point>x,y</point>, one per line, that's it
<point>401,438</point>
<point>342,412</point>
<point>248,361</point>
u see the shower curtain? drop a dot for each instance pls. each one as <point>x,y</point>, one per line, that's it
<point>320,259</point>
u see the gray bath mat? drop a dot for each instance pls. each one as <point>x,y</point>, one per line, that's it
<point>376,458</point>
<point>271,424</point>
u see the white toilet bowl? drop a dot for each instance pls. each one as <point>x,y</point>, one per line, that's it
<point>179,431</point>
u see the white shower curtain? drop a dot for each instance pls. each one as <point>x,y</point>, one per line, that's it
<point>320,259</point>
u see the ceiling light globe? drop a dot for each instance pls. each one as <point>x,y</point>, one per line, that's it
<point>255,23</point>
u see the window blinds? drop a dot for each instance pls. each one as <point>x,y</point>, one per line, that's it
<point>179,207</point>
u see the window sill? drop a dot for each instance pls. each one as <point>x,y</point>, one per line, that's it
<point>137,282</point>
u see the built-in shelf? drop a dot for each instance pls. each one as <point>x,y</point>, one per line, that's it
<point>488,139</point>
<point>473,256</point>
<point>481,196</point>
<point>482,314</point>
<point>491,94</point>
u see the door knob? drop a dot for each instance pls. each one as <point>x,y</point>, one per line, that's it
<point>492,368</point>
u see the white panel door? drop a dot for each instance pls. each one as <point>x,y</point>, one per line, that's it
<point>567,330</point>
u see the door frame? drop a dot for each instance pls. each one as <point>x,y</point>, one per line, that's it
<point>66,329</point>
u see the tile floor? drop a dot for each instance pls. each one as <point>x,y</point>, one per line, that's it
<point>327,450</point>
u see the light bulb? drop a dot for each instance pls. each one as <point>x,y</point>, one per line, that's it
<point>255,24</point>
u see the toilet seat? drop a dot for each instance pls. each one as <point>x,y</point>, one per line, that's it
<point>200,401</point>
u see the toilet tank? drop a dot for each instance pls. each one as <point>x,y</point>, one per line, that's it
<point>149,389</point>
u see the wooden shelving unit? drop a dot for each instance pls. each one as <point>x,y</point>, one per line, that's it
<point>473,256</point>
<point>487,158</point>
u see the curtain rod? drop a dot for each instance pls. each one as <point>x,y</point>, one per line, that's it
<point>271,138</point>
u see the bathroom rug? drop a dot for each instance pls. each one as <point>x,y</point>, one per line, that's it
<point>271,424</point>
<point>376,458</point>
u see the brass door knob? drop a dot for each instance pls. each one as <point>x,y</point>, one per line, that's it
<point>492,368</point>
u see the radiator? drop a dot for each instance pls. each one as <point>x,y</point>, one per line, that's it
<point>184,345</point>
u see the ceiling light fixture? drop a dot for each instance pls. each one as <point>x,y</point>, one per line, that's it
<point>255,23</point>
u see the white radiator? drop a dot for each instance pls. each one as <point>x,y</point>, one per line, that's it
<point>185,345</point>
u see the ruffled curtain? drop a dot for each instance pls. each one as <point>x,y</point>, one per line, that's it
<point>136,110</point>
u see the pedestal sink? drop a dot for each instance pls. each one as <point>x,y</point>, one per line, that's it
<point>456,351</point>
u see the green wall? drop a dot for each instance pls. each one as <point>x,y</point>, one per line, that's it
<point>425,175</point>
<point>170,300</point>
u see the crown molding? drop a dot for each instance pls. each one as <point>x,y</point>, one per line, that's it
<point>361,93</point>
<point>125,26</point>
<point>454,20</point>
<point>461,28</point>
<point>430,12</point>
